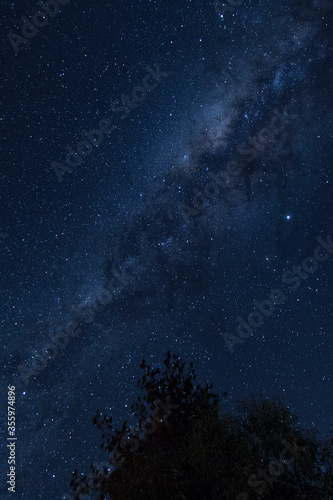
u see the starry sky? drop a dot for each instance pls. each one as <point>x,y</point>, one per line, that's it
<point>181,90</point>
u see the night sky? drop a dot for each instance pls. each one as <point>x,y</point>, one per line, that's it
<point>172,96</point>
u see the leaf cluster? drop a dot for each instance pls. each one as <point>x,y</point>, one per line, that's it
<point>185,448</point>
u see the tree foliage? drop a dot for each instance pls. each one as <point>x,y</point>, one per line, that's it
<point>185,448</point>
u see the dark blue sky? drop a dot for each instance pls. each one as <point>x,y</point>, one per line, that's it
<point>120,209</point>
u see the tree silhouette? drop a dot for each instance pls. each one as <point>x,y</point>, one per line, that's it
<point>185,448</point>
